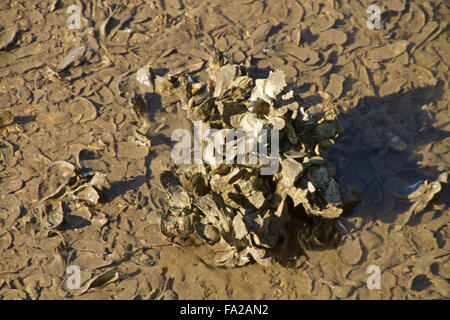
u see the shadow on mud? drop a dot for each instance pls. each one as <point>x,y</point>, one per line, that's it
<point>381,139</point>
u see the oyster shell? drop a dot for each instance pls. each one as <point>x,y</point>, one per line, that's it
<point>72,56</point>
<point>87,194</point>
<point>99,281</point>
<point>52,215</point>
<point>58,176</point>
<point>64,182</point>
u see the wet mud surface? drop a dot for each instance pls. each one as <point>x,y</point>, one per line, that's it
<point>388,87</point>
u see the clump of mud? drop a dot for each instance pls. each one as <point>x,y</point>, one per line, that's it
<point>261,172</point>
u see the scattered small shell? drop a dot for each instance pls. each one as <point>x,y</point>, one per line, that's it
<point>351,251</point>
<point>233,205</point>
<point>131,150</point>
<point>424,195</point>
<point>99,281</point>
<point>145,76</point>
<point>297,37</point>
<point>53,215</point>
<point>142,138</point>
<point>403,190</point>
<point>103,279</point>
<point>331,36</point>
<point>138,107</point>
<point>99,181</point>
<point>5,240</point>
<point>53,5</point>
<point>64,182</point>
<point>260,33</point>
<point>7,36</point>
<point>83,110</point>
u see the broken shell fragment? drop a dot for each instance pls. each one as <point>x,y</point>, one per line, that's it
<point>420,193</point>
<point>99,181</point>
<point>290,171</point>
<point>145,76</point>
<point>99,281</point>
<point>64,182</point>
<point>103,279</point>
<point>231,204</point>
<point>6,118</point>
<point>138,106</point>
<point>233,258</point>
<point>163,85</point>
<point>87,194</point>
<point>58,175</point>
<point>268,89</point>
<point>395,142</point>
<point>53,215</point>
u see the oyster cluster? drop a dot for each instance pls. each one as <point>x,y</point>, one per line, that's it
<point>233,204</point>
<point>65,182</point>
